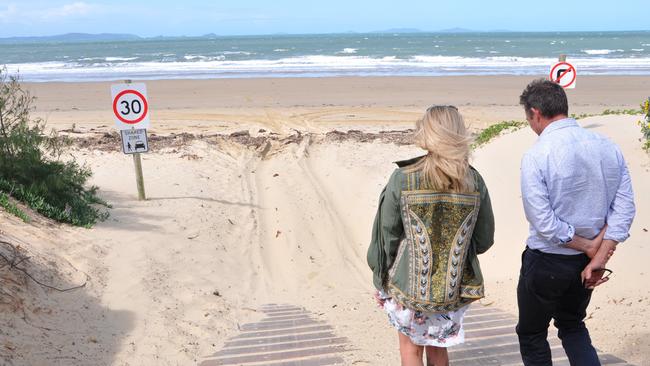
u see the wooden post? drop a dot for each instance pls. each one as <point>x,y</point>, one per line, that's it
<point>139,178</point>
<point>562,58</point>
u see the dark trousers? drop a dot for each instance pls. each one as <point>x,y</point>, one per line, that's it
<point>550,288</point>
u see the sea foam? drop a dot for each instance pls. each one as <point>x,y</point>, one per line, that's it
<point>320,65</point>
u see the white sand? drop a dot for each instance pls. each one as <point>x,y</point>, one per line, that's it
<point>290,228</point>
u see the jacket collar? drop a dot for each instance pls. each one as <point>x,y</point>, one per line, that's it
<point>403,163</point>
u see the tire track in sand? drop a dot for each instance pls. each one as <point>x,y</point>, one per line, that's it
<point>301,237</point>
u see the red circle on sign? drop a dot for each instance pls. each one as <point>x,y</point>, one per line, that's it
<point>137,94</point>
<point>571,67</point>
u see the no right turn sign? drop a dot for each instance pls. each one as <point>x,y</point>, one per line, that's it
<point>564,74</point>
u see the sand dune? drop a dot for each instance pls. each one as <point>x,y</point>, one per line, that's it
<point>228,228</point>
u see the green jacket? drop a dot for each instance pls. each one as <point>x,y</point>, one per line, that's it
<point>425,243</point>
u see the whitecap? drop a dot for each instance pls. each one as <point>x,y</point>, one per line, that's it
<point>349,51</point>
<point>111,59</point>
<point>194,57</point>
<point>322,65</point>
<point>598,52</point>
<point>237,53</point>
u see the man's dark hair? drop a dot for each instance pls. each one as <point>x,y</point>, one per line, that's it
<point>546,96</point>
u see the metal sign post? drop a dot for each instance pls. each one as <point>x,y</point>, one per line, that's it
<point>131,111</point>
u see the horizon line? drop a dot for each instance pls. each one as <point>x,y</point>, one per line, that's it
<point>386,31</point>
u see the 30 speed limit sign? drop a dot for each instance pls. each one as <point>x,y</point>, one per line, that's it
<point>130,106</point>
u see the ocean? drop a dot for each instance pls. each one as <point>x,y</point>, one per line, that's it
<point>350,54</point>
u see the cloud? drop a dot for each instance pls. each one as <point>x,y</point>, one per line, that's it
<point>78,8</point>
<point>10,12</point>
<point>24,14</point>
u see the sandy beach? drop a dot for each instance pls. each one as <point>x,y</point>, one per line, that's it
<point>282,214</point>
<point>320,104</point>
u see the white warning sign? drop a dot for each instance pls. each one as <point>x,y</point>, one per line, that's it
<point>135,141</point>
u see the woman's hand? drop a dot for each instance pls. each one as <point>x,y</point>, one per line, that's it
<point>379,299</point>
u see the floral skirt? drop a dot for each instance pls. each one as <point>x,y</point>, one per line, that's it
<point>427,329</point>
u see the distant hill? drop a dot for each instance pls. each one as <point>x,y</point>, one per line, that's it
<point>107,37</point>
<point>415,30</point>
<point>399,30</point>
<point>457,30</point>
<point>73,37</point>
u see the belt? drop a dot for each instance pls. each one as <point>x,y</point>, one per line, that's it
<point>576,257</point>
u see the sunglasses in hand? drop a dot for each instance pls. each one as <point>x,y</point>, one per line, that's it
<point>598,274</point>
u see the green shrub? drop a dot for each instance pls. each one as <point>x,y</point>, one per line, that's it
<point>645,124</point>
<point>31,168</point>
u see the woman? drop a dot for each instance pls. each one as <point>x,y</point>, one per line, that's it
<point>434,218</point>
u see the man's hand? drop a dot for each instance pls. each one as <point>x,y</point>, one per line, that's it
<point>592,275</point>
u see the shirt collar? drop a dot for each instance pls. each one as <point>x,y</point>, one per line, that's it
<point>559,124</point>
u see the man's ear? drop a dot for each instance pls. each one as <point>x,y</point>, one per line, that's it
<point>529,113</point>
<point>534,112</point>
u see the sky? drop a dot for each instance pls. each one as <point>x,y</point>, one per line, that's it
<point>245,17</point>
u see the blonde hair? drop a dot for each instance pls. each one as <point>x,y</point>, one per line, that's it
<point>441,131</point>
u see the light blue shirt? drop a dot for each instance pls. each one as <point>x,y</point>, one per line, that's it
<point>573,181</point>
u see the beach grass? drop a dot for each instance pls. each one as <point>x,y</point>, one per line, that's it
<point>607,112</point>
<point>631,112</point>
<point>495,130</point>
<point>11,207</point>
<point>487,134</point>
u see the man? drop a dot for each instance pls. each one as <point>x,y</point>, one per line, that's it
<point>575,185</point>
